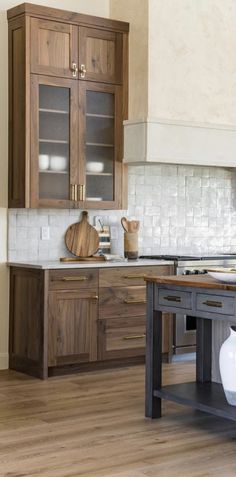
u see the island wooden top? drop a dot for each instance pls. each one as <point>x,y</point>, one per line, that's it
<point>198,281</point>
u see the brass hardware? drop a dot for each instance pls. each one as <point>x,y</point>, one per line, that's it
<point>83,192</point>
<point>74,279</point>
<point>76,193</point>
<point>136,337</point>
<point>134,302</point>
<point>82,71</point>
<point>72,192</point>
<point>177,299</point>
<point>74,69</point>
<point>216,304</point>
<point>95,297</point>
<point>134,276</point>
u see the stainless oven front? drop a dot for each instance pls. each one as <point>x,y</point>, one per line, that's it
<point>185,334</point>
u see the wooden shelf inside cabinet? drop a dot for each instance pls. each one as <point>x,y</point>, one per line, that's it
<point>105,174</point>
<point>103,116</point>
<point>98,144</point>
<point>53,172</point>
<point>53,141</point>
<point>53,111</point>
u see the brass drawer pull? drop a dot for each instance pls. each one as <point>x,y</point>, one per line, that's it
<point>74,279</point>
<point>134,276</point>
<point>216,304</point>
<point>135,337</point>
<point>176,299</point>
<point>134,302</point>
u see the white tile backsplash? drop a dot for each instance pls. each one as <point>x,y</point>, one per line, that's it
<point>182,209</point>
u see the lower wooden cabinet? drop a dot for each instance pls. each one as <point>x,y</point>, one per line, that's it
<point>64,320</point>
<point>72,330</point>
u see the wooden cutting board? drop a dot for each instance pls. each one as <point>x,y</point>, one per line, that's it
<point>81,238</point>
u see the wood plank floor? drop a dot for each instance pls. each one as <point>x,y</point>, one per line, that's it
<point>93,425</point>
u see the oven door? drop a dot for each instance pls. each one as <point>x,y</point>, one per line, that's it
<point>185,333</point>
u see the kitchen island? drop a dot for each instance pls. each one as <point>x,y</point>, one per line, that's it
<point>210,301</point>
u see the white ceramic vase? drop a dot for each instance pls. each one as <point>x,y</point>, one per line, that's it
<point>227,360</point>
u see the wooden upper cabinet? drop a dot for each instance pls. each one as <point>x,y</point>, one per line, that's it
<point>100,55</point>
<point>68,96</point>
<point>54,48</point>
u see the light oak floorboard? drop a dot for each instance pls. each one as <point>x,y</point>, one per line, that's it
<point>93,425</point>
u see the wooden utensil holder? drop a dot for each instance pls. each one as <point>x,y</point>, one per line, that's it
<point>131,245</point>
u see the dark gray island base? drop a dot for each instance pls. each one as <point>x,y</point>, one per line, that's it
<point>208,300</point>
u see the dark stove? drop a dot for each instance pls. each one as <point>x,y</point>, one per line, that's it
<point>191,258</point>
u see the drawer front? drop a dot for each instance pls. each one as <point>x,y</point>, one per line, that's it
<point>215,304</point>
<point>73,279</point>
<point>128,337</point>
<point>122,301</point>
<point>120,338</point>
<point>177,299</point>
<point>126,276</point>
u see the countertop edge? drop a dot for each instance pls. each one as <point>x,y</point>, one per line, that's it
<point>57,265</point>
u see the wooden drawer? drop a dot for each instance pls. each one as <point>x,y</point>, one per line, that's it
<point>126,276</point>
<point>119,338</point>
<point>122,301</point>
<point>73,279</point>
<point>177,299</point>
<point>215,304</point>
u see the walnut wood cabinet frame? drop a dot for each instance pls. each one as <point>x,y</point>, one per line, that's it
<point>72,31</point>
<point>63,321</point>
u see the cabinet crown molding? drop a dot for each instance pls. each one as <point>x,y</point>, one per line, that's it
<point>66,16</point>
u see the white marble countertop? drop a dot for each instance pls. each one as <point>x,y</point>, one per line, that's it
<point>56,264</point>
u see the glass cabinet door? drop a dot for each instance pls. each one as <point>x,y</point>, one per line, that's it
<point>100,149</point>
<point>53,143</point>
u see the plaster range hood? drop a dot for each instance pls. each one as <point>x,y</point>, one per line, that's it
<point>148,141</point>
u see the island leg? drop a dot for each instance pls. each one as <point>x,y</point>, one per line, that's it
<point>203,350</point>
<point>153,356</point>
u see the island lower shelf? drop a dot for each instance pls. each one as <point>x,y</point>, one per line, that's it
<point>208,397</point>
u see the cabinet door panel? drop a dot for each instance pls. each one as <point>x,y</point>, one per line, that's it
<point>54,142</point>
<point>100,54</point>
<point>72,327</point>
<point>100,145</point>
<point>54,48</point>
